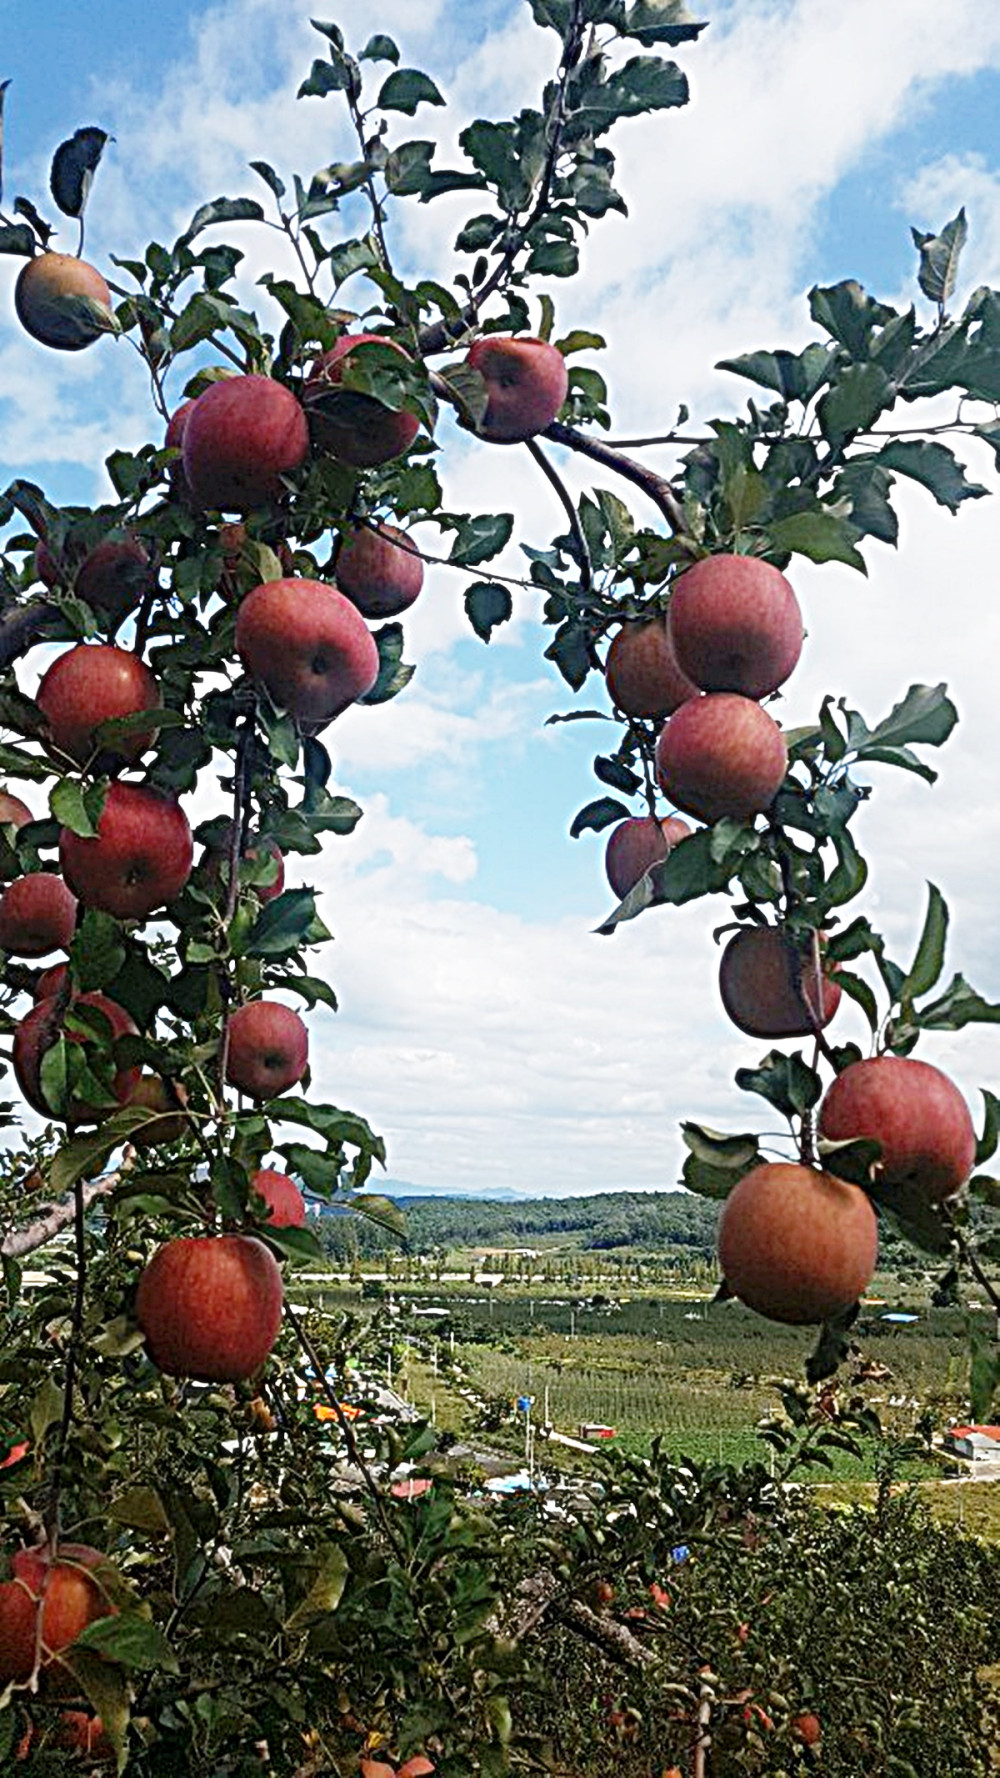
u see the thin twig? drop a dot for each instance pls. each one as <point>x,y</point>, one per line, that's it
<point>552,474</point>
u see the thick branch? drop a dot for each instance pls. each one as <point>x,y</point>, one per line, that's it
<point>540,1595</point>
<point>606,1634</point>
<point>655,486</point>
<point>38,1234</point>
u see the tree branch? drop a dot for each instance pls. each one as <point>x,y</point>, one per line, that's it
<point>38,1234</point>
<point>586,566</point>
<point>22,628</point>
<point>655,486</point>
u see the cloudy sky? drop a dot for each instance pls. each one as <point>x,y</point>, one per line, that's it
<point>485,1028</point>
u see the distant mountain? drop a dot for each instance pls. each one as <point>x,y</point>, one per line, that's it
<point>401,1189</point>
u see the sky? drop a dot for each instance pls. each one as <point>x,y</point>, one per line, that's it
<point>485,1028</point>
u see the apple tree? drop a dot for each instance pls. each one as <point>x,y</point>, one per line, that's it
<point>201,1553</point>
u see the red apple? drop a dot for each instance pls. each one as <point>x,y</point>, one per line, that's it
<point>59,300</point>
<point>210,1306</point>
<point>770,985</point>
<point>796,1244</point>
<point>526,384</point>
<point>13,812</point>
<point>379,570</point>
<point>720,755</point>
<point>37,915</point>
<point>268,1048</point>
<point>167,1101</point>
<point>308,646</point>
<point>735,625</point>
<point>915,1112</point>
<point>40,1029</point>
<point>139,859</point>
<point>807,1727</point>
<point>356,428</point>
<point>114,577</point>
<point>241,437</point>
<point>286,1207</point>
<point>636,845</point>
<point>69,1594</point>
<point>91,684</point>
<point>642,674</point>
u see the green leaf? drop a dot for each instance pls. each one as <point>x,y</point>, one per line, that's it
<point>269,176</point>
<point>73,167</point>
<point>986,1146</point>
<point>597,815</point>
<point>326,77</point>
<point>408,167</point>
<point>784,1081</point>
<point>220,210</point>
<point>46,1410</point>
<point>394,674</point>
<point>957,1007</point>
<point>286,925</point>
<point>380,49</point>
<point>486,606</point>
<point>132,1641</point>
<point>326,1570</point>
<point>855,400</point>
<point>939,256</point>
<point>925,714</point>
<point>311,987</point>
<point>793,377</point>
<point>820,536</point>
<point>480,537</point>
<point>17,237</point>
<point>935,467</point>
<point>97,950</point>
<point>849,314</point>
<point>69,808</point>
<point>405,89</point>
<point>383,1212</point>
<point>929,960</point>
<point>570,650</point>
<point>645,83</point>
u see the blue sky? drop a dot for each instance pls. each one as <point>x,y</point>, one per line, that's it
<point>484,1028</point>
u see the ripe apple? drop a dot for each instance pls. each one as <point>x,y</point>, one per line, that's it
<point>240,438</point>
<point>721,754</point>
<point>770,985</point>
<point>796,1244</point>
<point>286,1207</point>
<point>37,915</point>
<point>636,845</point>
<point>915,1112</point>
<point>268,1048</point>
<point>735,625</point>
<point>91,684</point>
<point>114,577</point>
<point>59,300</point>
<point>308,646</point>
<point>40,1029</point>
<point>210,1306</point>
<point>69,1594</point>
<point>139,859</point>
<point>641,671</point>
<point>379,570</point>
<point>356,428</point>
<point>168,1102</point>
<point>526,384</point>
<point>13,812</point>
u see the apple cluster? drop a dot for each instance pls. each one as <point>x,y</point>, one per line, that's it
<point>796,1242</point>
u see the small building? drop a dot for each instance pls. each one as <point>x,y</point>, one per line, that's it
<point>975,1443</point>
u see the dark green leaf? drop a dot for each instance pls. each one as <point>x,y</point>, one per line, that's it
<point>393,674</point>
<point>849,314</point>
<point>379,49</point>
<point>784,1081</point>
<point>986,1146</point>
<point>480,537</point>
<point>793,377</point>
<point>285,925</point>
<point>570,650</point>
<point>407,88</point>
<point>933,465</point>
<point>645,83</point>
<point>326,77</point>
<point>270,177</point>
<point>408,167</point>
<point>18,238</point>
<point>73,167</point>
<point>486,606</point>
<point>598,815</point>
<point>855,400</point>
<point>820,536</point>
<point>926,714</point>
<point>132,1641</point>
<point>929,960</point>
<point>221,210</point>
<point>957,1007</point>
